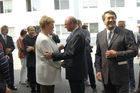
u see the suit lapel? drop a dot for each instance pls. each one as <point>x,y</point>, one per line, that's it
<point>116,31</point>
<point>72,36</point>
<point>2,41</point>
<point>104,38</point>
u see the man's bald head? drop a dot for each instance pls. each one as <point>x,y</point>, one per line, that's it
<point>70,23</point>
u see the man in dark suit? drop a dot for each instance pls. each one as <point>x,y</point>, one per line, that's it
<point>29,52</point>
<point>74,55</point>
<point>8,46</point>
<point>114,46</point>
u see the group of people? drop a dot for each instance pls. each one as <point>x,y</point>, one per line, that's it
<point>42,59</point>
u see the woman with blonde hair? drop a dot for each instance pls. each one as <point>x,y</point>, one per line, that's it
<point>48,72</point>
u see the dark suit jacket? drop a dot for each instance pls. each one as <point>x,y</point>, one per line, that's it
<point>28,41</point>
<point>75,56</point>
<point>115,68</point>
<point>56,39</point>
<point>8,44</point>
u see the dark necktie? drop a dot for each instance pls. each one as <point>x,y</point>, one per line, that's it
<point>69,37</point>
<point>109,37</point>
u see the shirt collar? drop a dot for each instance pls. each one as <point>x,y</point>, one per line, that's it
<point>108,31</point>
<point>3,35</point>
<point>74,30</point>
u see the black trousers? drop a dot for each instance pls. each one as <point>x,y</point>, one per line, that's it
<point>11,72</point>
<point>31,72</point>
<point>2,88</point>
<point>91,71</point>
<point>110,88</point>
<point>47,88</point>
<point>77,86</point>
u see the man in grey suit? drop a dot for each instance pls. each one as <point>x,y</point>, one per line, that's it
<point>114,46</point>
<point>74,55</point>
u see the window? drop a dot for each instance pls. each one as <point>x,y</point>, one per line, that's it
<point>117,3</point>
<point>5,6</point>
<point>138,3</point>
<point>32,5</point>
<point>60,29</point>
<point>57,27</point>
<point>1,6</point>
<point>89,3</point>
<point>138,21</point>
<point>61,4</point>
<point>92,27</point>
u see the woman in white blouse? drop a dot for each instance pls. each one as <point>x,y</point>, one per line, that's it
<point>48,72</point>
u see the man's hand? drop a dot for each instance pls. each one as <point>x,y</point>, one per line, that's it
<point>8,50</point>
<point>111,54</point>
<point>29,48</point>
<point>99,76</point>
<point>138,54</point>
<point>62,64</point>
<point>53,34</point>
<point>61,47</point>
<point>48,54</point>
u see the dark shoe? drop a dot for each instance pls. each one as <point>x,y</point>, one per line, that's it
<point>27,85</point>
<point>33,91</point>
<point>13,87</point>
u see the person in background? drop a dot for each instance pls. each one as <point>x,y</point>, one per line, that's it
<point>115,46</point>
<point>137,37</point>
<point>8,47</point>
<point>88,57</point>
<point>29,52</point>
<point>20,46</point>
<point>130,62</point>
<point>85,27</point>
<point>55,37</point>
<point>88,39</point>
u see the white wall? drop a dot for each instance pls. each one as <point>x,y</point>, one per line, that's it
<point>20,19</point>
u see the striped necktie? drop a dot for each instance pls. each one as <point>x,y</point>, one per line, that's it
<point>109,37</point>
<point>5,38</point>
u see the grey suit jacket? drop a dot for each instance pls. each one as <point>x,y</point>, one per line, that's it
<point>115,68</point>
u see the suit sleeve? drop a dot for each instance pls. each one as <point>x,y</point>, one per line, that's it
<point>98,57</point>
<point>74,48</point>
<point>44,46</point>
<point>131,48</point>
<point>12,46</point>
